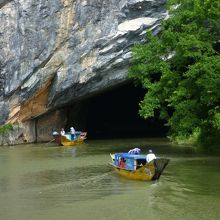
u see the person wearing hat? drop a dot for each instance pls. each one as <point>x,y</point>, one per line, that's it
<point>54,132</point>
<point>150,156</point>
<point>73,133</point>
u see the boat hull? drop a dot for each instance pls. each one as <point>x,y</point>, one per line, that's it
<point>150,171</point>
<point>66,142</point>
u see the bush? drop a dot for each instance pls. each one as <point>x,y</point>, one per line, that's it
<point>6,128</point>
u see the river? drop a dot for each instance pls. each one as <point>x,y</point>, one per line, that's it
<point>45,181</point>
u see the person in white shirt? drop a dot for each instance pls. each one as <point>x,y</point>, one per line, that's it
<point>150,156</point>
<point>62,132</point>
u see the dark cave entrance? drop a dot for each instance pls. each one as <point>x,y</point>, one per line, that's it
<point>114,114</point>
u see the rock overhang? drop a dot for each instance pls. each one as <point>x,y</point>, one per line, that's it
<point>68,50</point>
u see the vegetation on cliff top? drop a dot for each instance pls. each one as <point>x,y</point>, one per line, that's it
<point>180,70</point>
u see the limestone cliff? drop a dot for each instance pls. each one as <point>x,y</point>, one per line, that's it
<point>53,52</point>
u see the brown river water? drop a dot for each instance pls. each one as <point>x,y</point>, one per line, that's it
<point>45,181</point>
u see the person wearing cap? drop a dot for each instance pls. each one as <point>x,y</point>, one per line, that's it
<point>73,133</point>
<point>150,156</point>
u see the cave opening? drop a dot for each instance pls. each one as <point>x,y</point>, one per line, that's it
<point>114,114</point>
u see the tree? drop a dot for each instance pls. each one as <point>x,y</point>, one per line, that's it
<point>180,70</point>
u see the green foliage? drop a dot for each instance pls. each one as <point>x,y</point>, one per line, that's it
<point>6,128</point>
<point>180,70</point>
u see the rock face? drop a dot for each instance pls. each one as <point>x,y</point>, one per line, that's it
<point>53,52</point>
<point>12,137</point>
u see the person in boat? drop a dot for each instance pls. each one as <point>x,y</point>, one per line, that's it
<point>122,162</point>
<point>134,151</point>
<point>83,135</point>
<point>62,132</point>
<point>150,156</point>
<point>54,132</point>
<point>73,133</point>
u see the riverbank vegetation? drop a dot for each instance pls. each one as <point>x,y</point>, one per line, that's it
<point>180,70</point>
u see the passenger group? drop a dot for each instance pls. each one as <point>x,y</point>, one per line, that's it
<point>136,151</point>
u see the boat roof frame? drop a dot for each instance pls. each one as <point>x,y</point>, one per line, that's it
<point>132,156</point>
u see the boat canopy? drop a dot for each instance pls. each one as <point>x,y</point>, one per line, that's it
<point>133,156</point>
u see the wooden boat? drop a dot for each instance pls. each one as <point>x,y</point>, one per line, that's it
<point>66,140</point>
<point>135,166</point>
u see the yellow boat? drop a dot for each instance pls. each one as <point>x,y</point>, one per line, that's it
<point>135,167</point>
<point>66,140</point>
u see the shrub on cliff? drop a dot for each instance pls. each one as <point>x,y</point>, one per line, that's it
<point>6,128</point>
<point>180,70</point>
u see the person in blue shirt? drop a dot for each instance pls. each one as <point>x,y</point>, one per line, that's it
<point>73,133</point>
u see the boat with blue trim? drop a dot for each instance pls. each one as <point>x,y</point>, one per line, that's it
<point>65,140</point>
<point>136,167</point>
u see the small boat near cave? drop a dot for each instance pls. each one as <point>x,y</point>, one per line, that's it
<point>135,166</point>
<point>65,140</point>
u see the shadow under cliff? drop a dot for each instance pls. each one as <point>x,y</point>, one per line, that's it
<point>114,114</point>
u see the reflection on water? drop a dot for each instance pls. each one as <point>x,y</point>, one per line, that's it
<point>49,182</point>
